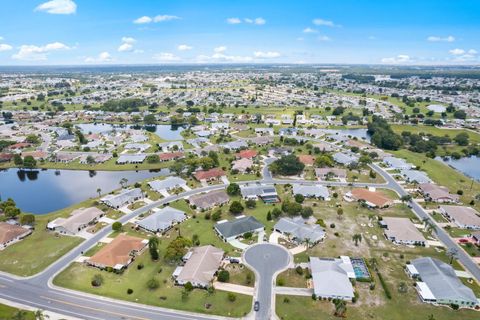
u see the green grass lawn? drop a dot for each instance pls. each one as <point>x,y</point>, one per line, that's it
<point>7,312</point>
<point>399,128</point>
<point>25,259</point>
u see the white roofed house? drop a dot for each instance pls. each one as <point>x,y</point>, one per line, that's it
<point>297,230</point>
<point>125,197</point>
<point>311,191</point>
<point>78,220</point>
<point>131,158</point>
<point>201,265</point>
<point>344,158</point>
<point>168,184</point>
<point>162,220</point>
<point>463,217</point>
<point>415,176</point>
<point>331,278</point>
<point>402,231</point>
<point>171,146</point>
<point>266,192</point>
<point>397,163</point>
<point>242,165</point>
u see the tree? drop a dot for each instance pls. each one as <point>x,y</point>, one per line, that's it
<point>177,248</point>
<point>33,139</point>
<point>149,119</point>
<point>461,139</point>
<point>97,280</point>
<point>153,158</point>
<point>324,160</point>
<point>291,208</point>
<point>357,238</point>
<point>11,211</point>
<point>27,219</point>
<point>233,189</point>
<point>217,215</point>
<point>99,191</point>
<point>17,159</point>
<point>20,315</point>
<point>269,216</point>
<point>90,159</point>
<point>460,114</point>
<point>153,284</point>
<point>39,315</point>
<point>123,182</point>
<point>452,253</point>
<point>29,162</point>
<point>223,276</point>
<point>276,212</point>
<point>153,248</point>
<point>236,207</point>
<point>188,286</point>
<point>340,307</point>
<point>340,212</point>
<point>299,198</point>
<point>117,226</point>
<point>306,212</point>
<point>250,203</point>
<point>232,297</point>
<point>287,165</point>
<point>406,198</point>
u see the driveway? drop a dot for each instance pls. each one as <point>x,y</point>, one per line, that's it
<point>266,260</point>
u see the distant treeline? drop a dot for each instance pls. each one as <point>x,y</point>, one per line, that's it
<point>123,105</point>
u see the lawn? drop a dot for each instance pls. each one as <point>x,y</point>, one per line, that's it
<point>399,128</point>
<point>7,312</point>
<point>25,259</point>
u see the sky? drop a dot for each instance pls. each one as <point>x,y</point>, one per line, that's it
<point>88,32</point>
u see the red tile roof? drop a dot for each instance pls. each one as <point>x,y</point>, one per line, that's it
<point>306,159</point>
<point>171,156</point>
<point>373,197</point>
<point>209,174</point>
<point>247,154</point>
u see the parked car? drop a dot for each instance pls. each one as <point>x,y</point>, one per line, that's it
<point>256,306</point>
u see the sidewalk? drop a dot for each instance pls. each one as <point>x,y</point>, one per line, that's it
<point>233,288</point>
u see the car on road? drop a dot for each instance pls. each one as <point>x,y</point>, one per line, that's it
<point>256,306</point>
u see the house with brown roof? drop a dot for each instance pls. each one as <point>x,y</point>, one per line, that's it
<point>11,233</point>
<point>6,157</point>
<point>306,159</point>
<point>246,154</point>
<point>78,220</point>
<point>463,217</point>
<point>242,165</point>
<point>328,173</point>
<point>433,192</point>
<point>209,200</point>
<point>171,156</point>
<point>119,253</point>
<point>402,231</point>
<point>201,265</point>
<point>373,199</point>
<point>209,175</point>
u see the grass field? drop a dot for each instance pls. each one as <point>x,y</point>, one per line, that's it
<point>24,258</point>
<point>7,312</point>
<point>399,128</point>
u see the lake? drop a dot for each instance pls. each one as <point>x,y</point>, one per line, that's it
<point>44,191</point>
<point>164,131</point>
<point>470,166</point>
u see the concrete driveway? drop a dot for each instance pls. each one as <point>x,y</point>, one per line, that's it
<point>266,260</point>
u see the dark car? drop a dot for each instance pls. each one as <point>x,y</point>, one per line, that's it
<point>256,306</point>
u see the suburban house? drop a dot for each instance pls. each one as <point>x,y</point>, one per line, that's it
<point>439,284</point>
<point>242,165</point>
<point>168,184</point>
<point>162,220</point>
<point>171,146</point>
<point>298,231</point>
<point>415,176</point>
<point>373,199</point>
<point>169,156</point>
<point>11,233</point>
<point>328,173</point>
<point>248,154</point>
<point>261,141</point>
<point>463,217</point>
<point>331,278</point>
<point>397,163</point>
<point>344,158</point>
<point>119,253</point>
<point>230,230</point>
<point>78,220</point>
<point>125,197</point>
<point>209,175</point>
<point>402,231</point>
<point>235,145</point>
<point>209,200</point>
<point>131,158</point>
<point>201,265</point>
<point>306,159</point>
<point>311,191</point>
<point>266,192</point>
<point>476,237</point>
<point>433,192</point>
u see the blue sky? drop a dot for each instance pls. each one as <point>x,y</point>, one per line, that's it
<point>41,32</point>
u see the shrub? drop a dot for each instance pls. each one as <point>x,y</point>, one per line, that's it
<point>299,270</point>
<point>232,297</point>
<point>97,280</point>
<point>117,226</point>
<point>153,284</point>
<point>188,286</point>
<point>332,225</point>
<point>129,291</point>
<point>223,276</point>
<point>140,266</point>
<point>280,282</point>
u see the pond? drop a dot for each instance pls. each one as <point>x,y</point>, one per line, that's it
<point>469,166</point>
<point>44,191</point>
<point>164,131</point>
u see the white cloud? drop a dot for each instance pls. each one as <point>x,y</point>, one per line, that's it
<point>234,21</point>
<point>184,47</point>
<point>322,22</point>
<point>457,52</point>
<point>472,51</point>
<point>159,18</point>
<point>127,44</point>
<point>441,39</point>
<point>260,21</point>
<point>58,7</point>
<point>266,55</point>
<point>221,57</point>
<point>38,53</point>
<point>102,57</point>
<point>220,49</point>
<point>5,47</point>
<point>138,51</point>
<point>309,30</point>
<point>143,20</point>
<point>1,38</point>
<point>166,57</point>
<point>401,58</point>
<point>165,17</point>
<point>324,38</point>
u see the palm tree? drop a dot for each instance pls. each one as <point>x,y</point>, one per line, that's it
<point>123,182</point>
<point>99,191</point>
<point>452,253</point>
<point>357,238</point>
<point>153,242</point>
<point>340,307</point>
<point>429,225</point>
<point>39,315</point>
<point>307,242</point>
<point>20,315</point>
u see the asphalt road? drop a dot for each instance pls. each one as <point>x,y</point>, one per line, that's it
<point>266,260</point>
<point>37,292</point>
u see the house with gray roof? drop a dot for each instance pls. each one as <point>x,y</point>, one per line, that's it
<point>131,158</point>
<point>331,278</point>
<point>298,231</point>
<point>168,184</point>
<point>402,231</point>
<point>344,158</point>
<point>463,217</point>
<point>162,220</point>
<point>311,191</point>
<point>78,220</point>
<point>439,284</point>
<point>171,146</point>
<point>326,173</point>
<point>397,163</point>
<point>209,200</point>
<point>125,197</point>
<point>230,230</point>
<point>235,145</point>
<point>415,176</point>
<point>266,192</point>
